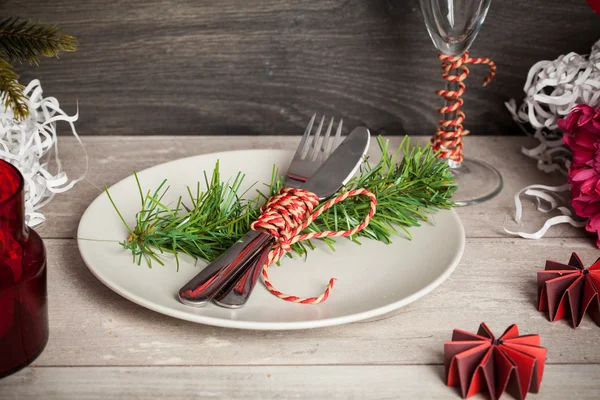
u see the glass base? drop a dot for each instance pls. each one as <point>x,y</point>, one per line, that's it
<point>477,182</point>
<point>26,362</point>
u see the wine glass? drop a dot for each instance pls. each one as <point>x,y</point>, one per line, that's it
<point>452,26</point>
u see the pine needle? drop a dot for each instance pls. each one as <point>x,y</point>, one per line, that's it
<point>12,91</point>
<point>22,40</point>
<point>407,193</point>
<point>26,41</point>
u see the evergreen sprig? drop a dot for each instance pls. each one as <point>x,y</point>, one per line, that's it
<point>26,41</point>
<point>12,91</point>
<point>22,40</point>
<point>407,191</point>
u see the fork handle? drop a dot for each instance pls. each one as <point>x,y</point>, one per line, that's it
<point>201,289</point>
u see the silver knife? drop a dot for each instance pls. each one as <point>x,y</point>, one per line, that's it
<point>329,178</point>
<point>302,166</point>
<point>324,183</point>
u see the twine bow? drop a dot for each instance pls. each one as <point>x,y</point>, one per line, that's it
<point>285,215</point>
<point>448,139</point>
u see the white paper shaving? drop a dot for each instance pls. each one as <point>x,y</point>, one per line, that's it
<point>552,88</point>
<point>29,145</point>
<point>546,202</point>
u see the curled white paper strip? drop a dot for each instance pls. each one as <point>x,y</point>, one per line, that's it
<point>29,145</point>
<point>552,88</point>
<point>545,195</point>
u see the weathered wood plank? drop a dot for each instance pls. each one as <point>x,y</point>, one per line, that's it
<point>495,282</point>
<point>271,382</point>
<point>112,159</point>
<point>232,67</point>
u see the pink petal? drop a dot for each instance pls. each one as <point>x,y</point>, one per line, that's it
<point>586,206</point>
<point>591,209</point>
<point>585,109</point>
<point>584,119</point>
<point>586,140</point>
<point>588,128</point>
<point>586,199</point>
<point>581,156</point>
<point>575,192</point>
<point>594,224</point>
<point>583,175</point>
<point>570,121</point>
<point>578,208</point>
<point>589,186</point>
<point>574,169</point>
<point>567,138</point>
<point>564,125</point>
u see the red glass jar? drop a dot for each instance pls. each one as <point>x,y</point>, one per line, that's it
<point>23,296</point>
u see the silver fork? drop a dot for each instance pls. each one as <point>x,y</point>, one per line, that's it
<point>239,267</point>
<point>309,156</point>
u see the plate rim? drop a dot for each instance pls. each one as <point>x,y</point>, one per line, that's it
<point>254,325</point>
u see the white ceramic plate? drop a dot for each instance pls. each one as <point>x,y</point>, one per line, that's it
<point>372,279</point>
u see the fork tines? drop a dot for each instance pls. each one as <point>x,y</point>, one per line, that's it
<point>316,148</point>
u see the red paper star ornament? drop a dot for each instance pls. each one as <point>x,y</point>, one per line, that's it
<point>570,289</point>
<point>480,362</point>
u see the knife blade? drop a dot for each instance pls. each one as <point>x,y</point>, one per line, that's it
<point>327,180</point>
<point>346,158</point>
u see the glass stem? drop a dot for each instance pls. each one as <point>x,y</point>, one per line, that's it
<point>451,86</point>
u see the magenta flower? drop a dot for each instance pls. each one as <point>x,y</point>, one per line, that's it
<point>583,138</point>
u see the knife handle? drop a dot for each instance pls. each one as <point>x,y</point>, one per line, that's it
<point>201,289</point>
<point>236,293</point>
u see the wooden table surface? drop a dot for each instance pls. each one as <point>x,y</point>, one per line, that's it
<point>103,346</point>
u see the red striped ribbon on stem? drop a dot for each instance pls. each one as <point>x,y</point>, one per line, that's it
<point>448,140</point>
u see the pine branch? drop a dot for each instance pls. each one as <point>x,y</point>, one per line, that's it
<point>12,91</point>
<point>407,192</point>
<point>26,41</point>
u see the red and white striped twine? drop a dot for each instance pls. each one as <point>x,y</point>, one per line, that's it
<point>448,139</point>
<point>287,214</point>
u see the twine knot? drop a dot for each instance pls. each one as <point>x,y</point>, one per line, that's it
<point>285,215</point>
<point>448,140</point>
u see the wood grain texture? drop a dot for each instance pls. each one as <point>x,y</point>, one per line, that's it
<point>104,346</point>
<point>113,159</point>
<point>495,282</point>
<point>232,67</point>
<point>294,382</point>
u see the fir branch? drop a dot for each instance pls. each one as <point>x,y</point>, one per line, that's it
<point>407,192</point>
<point>26,41</point>
<point>12,91</point>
